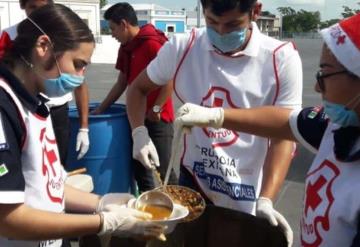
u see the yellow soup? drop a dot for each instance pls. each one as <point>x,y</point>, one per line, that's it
<point>157,212</point>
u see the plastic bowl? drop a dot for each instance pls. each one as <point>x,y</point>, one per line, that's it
<point>82,182</point>
<point>157,198</point>
<point>178,215</point>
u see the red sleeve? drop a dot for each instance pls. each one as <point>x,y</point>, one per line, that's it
<point>5,43</point>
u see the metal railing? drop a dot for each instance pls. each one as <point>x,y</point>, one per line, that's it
<point>298,35</point>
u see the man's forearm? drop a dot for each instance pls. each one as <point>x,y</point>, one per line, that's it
<point>265,121</point>
<point>276,166</point>
<point>136,99</point>
<point>135,106</point>
<point>82,102</point>
<point>164,94</point>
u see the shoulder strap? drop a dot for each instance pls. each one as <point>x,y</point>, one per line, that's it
<point>189,45</point>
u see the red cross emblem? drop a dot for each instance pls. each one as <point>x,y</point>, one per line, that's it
<point>219,97</point>
<point>341,40</point>
<point>319,199</point>
<point>50,164</point>
<point>218,102</point>
<point>313,199</point>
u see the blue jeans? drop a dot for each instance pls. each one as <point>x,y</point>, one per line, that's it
<point>161,134</point>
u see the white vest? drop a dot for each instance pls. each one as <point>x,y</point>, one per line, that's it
<point>227,165</point>
<point>43,173</point>
<point>332,198</point>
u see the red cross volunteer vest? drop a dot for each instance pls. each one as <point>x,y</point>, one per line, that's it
<point>43,173</point>
<point>227,165</point>
<point>332,199</point>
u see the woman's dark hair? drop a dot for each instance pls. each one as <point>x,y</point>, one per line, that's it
<point>121,11</point>
<point>64,27</point>
<point>218,7</point>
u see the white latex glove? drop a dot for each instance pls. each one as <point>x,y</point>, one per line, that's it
<point>113,198</point>
<point>190,115</point>
<point>82,142</point>
<point>127,222</point>
<point>264,209</point>
<point>144,149</point>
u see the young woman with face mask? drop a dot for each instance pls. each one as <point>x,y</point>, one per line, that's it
<point>58,104</point>
<point>332,202</point>
<point>49,56</point>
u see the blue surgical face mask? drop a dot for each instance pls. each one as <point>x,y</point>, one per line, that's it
<point>227,42</point>
<point>65,83</point>
<point>62,85</point>
<point>340,114</point>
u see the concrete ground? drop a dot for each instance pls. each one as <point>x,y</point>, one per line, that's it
<point>101,77</point>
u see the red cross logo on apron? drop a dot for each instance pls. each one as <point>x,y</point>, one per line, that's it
<point>318,201</point>
<point>50,161</point>
<point>219,97</point>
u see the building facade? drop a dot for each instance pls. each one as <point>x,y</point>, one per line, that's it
<point>88,10</point>
<point>268,24</point>
<point>168,21</point>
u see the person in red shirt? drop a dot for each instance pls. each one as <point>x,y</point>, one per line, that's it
<point>139,46</point>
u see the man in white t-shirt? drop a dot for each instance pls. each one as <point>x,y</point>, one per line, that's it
<point>58,104</point>
<point>231,64</point>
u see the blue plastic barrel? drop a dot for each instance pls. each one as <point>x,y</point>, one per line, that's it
<point>108,160</point>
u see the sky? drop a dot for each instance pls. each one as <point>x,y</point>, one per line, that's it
<point>329,9</point>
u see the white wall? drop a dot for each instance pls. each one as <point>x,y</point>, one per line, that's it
<point>10,13</point>
<point>106,51</point>
<point>88,11</point>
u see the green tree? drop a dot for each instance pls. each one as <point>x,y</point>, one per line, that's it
<point>328,23</point>
<point>286,11</point>
<point>347,12</point>
<point>299,21</point>
<point>307,21</point>
<point>103,3</point>
<point>288,18</point>
<point>267,13</point>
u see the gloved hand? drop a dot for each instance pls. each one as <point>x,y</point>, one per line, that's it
<point>113,199</point>
<point>127,222</point>
<point>190,115</point>
<point>82,142</point>
<point>144,149</point>
<point>264,209</point>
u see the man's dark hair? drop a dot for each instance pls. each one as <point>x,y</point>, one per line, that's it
<point>218,7</point>
<point>121,11</point>
<point>24,2</point>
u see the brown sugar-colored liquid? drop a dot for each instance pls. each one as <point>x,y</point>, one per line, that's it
<point>157,212</point>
